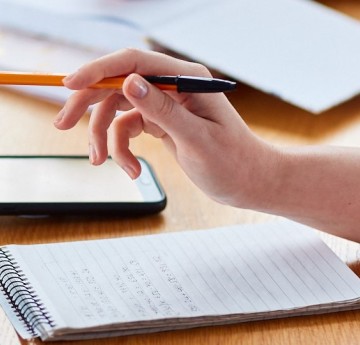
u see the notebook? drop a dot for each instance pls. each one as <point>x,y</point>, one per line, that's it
<point>168,281</point>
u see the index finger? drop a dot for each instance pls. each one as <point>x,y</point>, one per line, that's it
<point>129,61</point>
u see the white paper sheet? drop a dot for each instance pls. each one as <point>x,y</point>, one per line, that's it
<point>298,50</point>
<point>33,39</point>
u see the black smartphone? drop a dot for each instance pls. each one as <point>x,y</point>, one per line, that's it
<point>70,185</point>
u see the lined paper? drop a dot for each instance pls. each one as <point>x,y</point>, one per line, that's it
<point>185,279</point>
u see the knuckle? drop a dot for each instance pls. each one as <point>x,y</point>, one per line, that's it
<point>132,56</point>
<point>94,132</point>
<point>129,52</point>
<point>166,106</point>
<point>200,69</point>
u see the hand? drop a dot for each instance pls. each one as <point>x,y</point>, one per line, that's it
<point>213,145</point>
<point>203,131</point>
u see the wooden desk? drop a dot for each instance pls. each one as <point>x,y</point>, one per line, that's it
<point>26,128</point>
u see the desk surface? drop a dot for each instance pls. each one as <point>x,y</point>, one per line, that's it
<point>26,128</point>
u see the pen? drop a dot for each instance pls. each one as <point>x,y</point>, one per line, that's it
<point>177,83</point>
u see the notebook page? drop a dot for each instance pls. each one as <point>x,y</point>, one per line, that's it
<point>246,270</point>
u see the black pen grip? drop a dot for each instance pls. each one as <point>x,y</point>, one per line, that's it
<point>203,85</point>
<point>194,84</point>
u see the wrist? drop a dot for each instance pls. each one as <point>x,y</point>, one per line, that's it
<point>259,188</point>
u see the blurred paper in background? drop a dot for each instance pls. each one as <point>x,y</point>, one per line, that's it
<point>298,50</point>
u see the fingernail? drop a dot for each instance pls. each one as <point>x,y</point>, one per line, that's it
<point>129,171</point>
<point>69,77</point>
<point>138,88</point>
<point>59,116</point>
<point>92,154</point>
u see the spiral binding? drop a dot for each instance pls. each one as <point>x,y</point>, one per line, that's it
<point>21,296</point>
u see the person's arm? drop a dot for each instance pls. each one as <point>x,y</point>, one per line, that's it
<point>317,186</point>
<point>320,186</point>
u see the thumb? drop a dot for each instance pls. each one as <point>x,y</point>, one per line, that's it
<point>159,108</point>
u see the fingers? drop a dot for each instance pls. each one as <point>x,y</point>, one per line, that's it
<point>100,120</point>
<point>160,109</point>
<point>79,102</point>
<point>126,126</point>
<point>119,63</point>
<point>156,113</point>
<point>129,125</point>
<point>131,61</point>
<point>180,119</point>
<point>77,105</point>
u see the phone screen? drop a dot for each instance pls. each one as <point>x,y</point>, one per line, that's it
<point>64,180</point>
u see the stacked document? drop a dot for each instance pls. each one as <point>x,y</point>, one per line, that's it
<point>298,50</point>
<point>36,39</point>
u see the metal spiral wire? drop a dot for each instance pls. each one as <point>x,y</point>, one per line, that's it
<point>20,295</point>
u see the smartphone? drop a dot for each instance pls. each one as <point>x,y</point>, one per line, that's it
<point>70,185</point>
